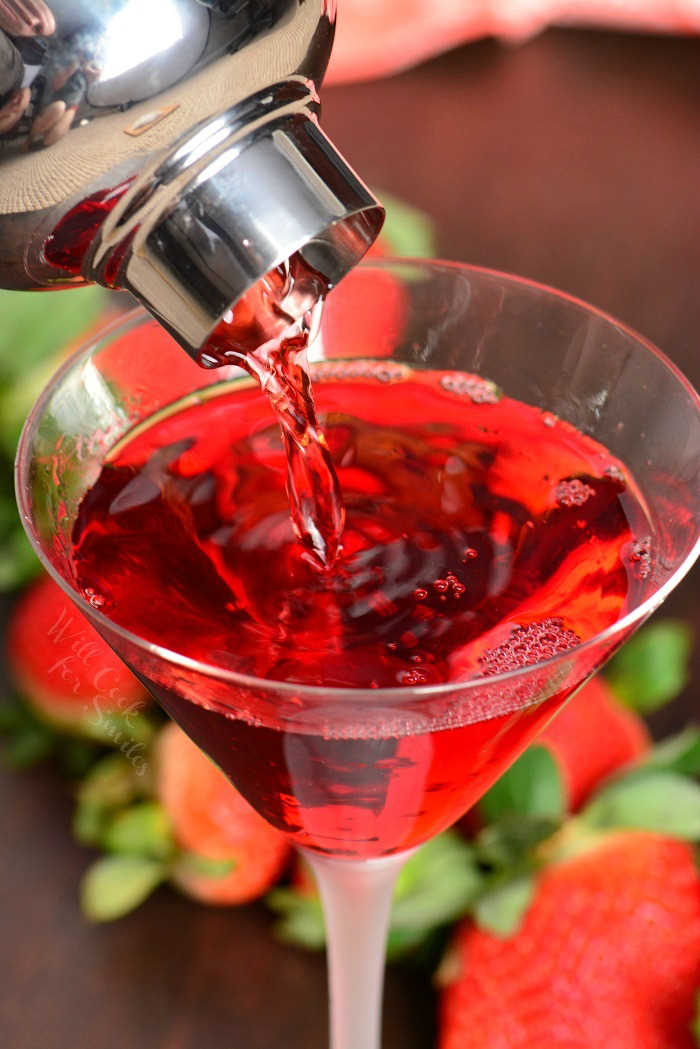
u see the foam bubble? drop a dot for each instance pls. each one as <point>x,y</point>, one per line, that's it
<point>527,645</point>
<point>377,371</point>
<point>640,557</point>
<point>478,390</point>
<point>615,473</point>
<point>573,492</point>
<point>94,598</point>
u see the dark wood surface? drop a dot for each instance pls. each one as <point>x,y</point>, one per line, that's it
<point>574,160</point>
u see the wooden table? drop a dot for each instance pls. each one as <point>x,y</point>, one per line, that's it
<point>574,160</point>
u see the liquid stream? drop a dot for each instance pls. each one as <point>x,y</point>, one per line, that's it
<point>268,333</point>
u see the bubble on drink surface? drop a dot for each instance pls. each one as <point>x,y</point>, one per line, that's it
<point>377,371</point>
<point>96,599</point>
<point>528,645</point>
<point>639,555</point>
<point>449,586</point>
<point>375,723</point>
<point>478,390</point>
<point>413,677</point>
<point>572,492</point>
<point>615,474</point>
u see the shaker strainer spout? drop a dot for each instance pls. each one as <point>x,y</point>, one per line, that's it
<point>172,148</point>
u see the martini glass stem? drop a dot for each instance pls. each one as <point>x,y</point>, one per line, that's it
<point>356,898</point>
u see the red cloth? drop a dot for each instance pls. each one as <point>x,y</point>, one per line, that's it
<point>378,37</point>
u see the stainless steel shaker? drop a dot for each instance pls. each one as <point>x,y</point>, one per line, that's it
<point>172,148</point>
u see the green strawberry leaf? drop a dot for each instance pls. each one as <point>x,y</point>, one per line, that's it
<point>110,785</point>
<point>18,397</point>
<point>300,918</point>
<point>12,715</point>
<point>77,756</point>
<point>36,328</point>
<point>112,782</point>
<point>115,885</point>
<point>695,1025</point>
<point>119,729</point>
<point>27,739</point>
<point>407,230</point>
<point>16,715</point>
<point>89,822</point>
<point>652,668</point>
<point>436,885</point>
<point>679,753</point>
<point>506,845</point>
<point>29,746</point>
<point>18,562</point>
<point>531,787</point>
<point>141,830</point>
<point>37,324</point>
<point>204,866</point>
<point>301,923</point>
<point>648,799</point>
<point>501,908</point>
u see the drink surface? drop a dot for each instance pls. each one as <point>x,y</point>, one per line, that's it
<point>481,535</point>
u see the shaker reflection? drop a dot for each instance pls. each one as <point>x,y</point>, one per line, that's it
<point>61,64</point>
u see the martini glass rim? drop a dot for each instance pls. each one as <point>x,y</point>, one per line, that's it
<point>396,694</point>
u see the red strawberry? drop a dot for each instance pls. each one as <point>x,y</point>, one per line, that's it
<point>63,668</point>
<point>302,878</point>
<point>381,248</point>
<point>151,345</point>
<point>608,955</point>
<point>366,317</point>
<point>212,820</point>
<point>592,737</point>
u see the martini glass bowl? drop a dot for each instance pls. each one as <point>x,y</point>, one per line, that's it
<point>409,760</point>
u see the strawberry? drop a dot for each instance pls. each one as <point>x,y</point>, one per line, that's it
<point>68,674</point>
<point>608,955</point>
<point>366,318</point>
<point>216,826</point>
<point>153,347</point>
<point>592,737</point>
<point>380,249</point>
<point>302,878</point>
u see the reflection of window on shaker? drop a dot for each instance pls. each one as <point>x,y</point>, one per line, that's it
<point>148,46</point>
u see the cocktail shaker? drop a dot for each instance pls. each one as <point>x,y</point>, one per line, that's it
<point>171,148</point>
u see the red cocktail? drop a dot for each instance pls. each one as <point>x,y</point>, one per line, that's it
<point>480,536</point>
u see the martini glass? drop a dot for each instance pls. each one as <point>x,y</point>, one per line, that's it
<point>423,754</point>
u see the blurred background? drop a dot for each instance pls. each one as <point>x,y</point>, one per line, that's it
<point>569,155</point>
